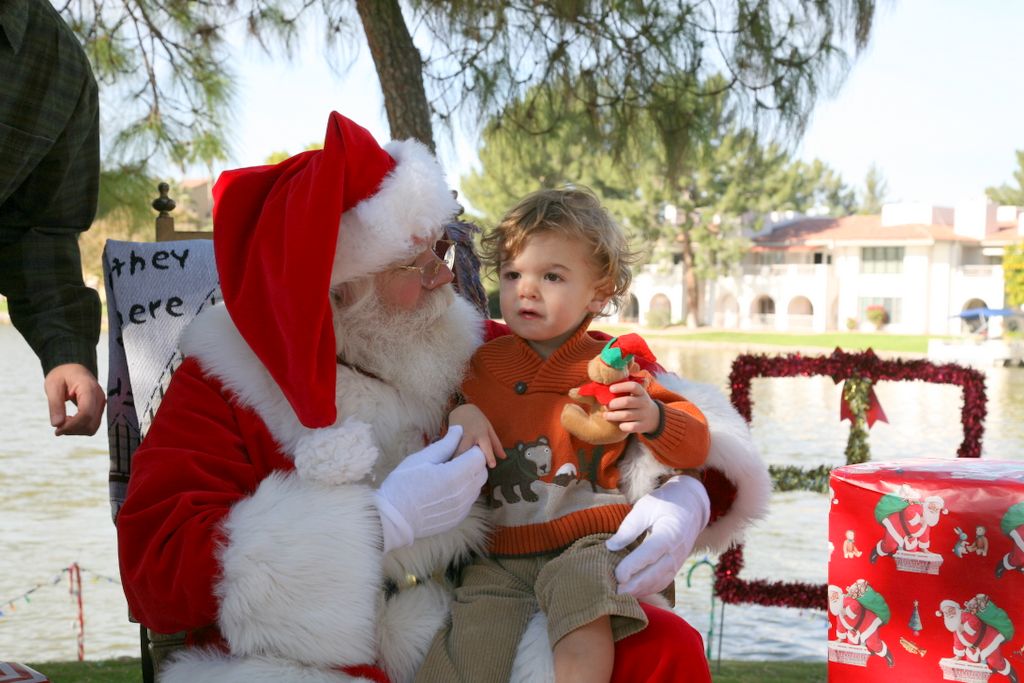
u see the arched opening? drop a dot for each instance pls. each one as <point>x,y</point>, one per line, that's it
<point>800,313</point>
<point>630,311</point>
<point>762,311</point>
<point>659,311</point>
<point>727,312</point>
<point>972,324</point>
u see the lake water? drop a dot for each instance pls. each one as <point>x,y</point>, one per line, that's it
<point>54,510</point>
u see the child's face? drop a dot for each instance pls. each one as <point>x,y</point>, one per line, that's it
<point>548,289</point>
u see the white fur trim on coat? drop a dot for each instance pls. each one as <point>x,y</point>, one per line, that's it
<point>428,554</point>
<point>534,662</point>
<point>216,344</point>
<point>296,562</point>
<point>205,666</point>
<point>400,220</point>
<point>408,622</point>
<point>732,452</point>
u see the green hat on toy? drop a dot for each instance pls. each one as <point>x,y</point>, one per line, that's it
<point>619,352</point>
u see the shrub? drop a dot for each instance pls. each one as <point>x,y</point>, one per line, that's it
<point>852,324</point>
<point>877,315</point>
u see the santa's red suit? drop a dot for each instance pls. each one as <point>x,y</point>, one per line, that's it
<point>979,642</point>
<point>910,528</point>
<point>859,626</point>
<point>906,529</point>
<point>1015,558</point>
<point>250,520</point>
<point>976,641</point>
<point>1012,525</point>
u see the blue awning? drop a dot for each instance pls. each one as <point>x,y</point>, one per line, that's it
<point>987,313</point>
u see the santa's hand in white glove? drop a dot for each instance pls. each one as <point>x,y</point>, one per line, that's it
<point>675,513</point>
<point>429,493</point>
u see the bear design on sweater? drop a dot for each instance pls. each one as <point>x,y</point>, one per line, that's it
<point>523,465</point>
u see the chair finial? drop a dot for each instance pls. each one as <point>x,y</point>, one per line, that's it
<point>163,203</point>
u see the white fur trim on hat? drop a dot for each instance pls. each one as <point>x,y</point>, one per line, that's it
<point>340,454</point>
<point>405,215</point>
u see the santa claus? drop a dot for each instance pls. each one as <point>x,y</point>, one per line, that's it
<point>292,508</point>
<point>860,612</point>
<point>1012,524</point>
<point>979,631</point>
<point>907,522</point>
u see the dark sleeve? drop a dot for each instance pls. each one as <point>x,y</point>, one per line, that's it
<point>49,304</point>
<point>40,262</point>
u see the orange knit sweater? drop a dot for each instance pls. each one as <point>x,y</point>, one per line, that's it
<point>552,488</point>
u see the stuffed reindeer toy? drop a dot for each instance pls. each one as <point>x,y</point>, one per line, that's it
<point>613,365</point>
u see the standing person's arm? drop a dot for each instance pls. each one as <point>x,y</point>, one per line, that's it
<point>49,177</point>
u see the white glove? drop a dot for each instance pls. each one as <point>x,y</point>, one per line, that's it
<point>675,513</point>
<point>428,493</point>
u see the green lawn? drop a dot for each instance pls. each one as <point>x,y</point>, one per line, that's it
<point>850,341</point>
<point>123,670</point>
<point>760,672</point>
<point>127,671</point>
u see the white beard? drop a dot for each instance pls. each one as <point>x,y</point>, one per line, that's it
<point>420,358</point>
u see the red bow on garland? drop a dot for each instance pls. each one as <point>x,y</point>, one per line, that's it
<point>874,412</point>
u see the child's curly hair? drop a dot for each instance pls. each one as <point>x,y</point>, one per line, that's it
<point>575,213</point>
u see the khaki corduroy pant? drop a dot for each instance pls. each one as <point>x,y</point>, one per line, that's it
<point>497,597</point>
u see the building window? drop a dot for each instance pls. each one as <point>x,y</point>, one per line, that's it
<point>821,258</point>
<point>769,258</point>
<point>894,307</point>
<point>881,259</point>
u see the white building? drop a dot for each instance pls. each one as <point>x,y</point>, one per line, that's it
<point>922,263</point>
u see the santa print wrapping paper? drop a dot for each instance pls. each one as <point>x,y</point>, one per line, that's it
<point>926,571</point>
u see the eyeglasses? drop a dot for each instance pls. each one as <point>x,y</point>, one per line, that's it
<point>431,273</point>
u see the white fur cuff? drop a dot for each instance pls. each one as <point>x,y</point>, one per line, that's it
<point>301,573</point>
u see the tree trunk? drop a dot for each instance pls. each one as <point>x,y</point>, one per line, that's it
<point>399,68</point>
<point>690,279</point>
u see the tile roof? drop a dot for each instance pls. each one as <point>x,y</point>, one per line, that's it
<point>854,229</point>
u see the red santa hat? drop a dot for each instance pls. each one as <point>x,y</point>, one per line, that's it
<point>285,234</point>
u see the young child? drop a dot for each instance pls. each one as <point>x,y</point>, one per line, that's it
<point>561,259</point>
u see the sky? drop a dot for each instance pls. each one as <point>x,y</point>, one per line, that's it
<point>936,101</point>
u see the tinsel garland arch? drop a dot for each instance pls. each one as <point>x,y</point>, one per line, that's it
<point>840,366</point>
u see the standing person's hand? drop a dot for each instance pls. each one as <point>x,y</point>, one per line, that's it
<point>427,493</point>
<point>675,513</point>
<point>75,383</point>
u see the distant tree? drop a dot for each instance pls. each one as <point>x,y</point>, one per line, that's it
<point>875,190</point>
<point>1006,195</point>
<point>1013,274</point>
<point>807,186</point>
<point>277,157</point>
<point>689,180</point>
<point>168,60</point>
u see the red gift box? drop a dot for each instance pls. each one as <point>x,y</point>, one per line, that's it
<point>926,571</point>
